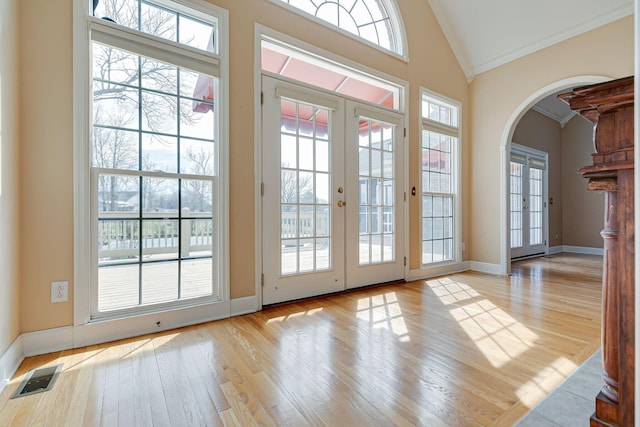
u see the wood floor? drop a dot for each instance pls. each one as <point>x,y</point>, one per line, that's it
<point>462,350</point>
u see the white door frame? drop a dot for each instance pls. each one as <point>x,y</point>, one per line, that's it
<point>532,152</point>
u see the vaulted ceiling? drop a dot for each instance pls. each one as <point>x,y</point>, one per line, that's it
<point>485,34</point>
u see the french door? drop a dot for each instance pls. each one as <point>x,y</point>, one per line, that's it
<point>528,187</point>
<point>333,200</point>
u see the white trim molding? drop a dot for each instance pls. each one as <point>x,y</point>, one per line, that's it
<point>10,361</point>
<point>427,273</point>
<point>488,268</point>
<point>244,305</point>
<point>583,250</point>
<point>555,250</point>
<point>99,332</point>
<point>47,341</point>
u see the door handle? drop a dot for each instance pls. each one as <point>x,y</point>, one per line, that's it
<point>341,203</point>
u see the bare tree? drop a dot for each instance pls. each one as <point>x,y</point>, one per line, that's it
<point>295,188</point>
<point>197,194</point>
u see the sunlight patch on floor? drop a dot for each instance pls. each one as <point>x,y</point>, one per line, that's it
<point>547,379</point>
<point>383,311</point>
<point>293,315</point>
<point>496,334</point>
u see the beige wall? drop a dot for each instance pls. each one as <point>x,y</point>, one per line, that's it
<point>9,179</point>
<point>47,160</point>
<point>583,210</point>
<point>542,133</point>
<point>47,143</point>
<point>496,94</point>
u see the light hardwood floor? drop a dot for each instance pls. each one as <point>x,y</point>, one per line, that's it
<point>461,350</point>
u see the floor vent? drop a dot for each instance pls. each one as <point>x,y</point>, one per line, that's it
<point>37,381</point>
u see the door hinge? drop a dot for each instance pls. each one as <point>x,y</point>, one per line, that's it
<point>405,196</point>
<point>405,261</point>
<point>261,98</point>
<point>262,188</point>
<point>405,132</point>
<point>262,280</point>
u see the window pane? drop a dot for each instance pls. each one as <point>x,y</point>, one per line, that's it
<point>118,193</point>
<point>159,153</point>
<point>197,196</point>
<point>159,196</point>
<point>197,157</point>
<point>160,239</point>
<point>114,148</point>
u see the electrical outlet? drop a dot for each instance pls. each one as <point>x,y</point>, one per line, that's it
<point>59,291</point>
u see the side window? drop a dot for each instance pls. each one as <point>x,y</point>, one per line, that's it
<point>155,156</point>
<point>439,173</point>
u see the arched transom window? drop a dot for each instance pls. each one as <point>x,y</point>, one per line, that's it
<point>376,21</point>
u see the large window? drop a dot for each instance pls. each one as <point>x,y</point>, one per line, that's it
<point>155,156</point>
<point>439,172</point>
<point>375,21</point>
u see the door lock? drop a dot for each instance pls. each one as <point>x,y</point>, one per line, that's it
<point>340,190</point>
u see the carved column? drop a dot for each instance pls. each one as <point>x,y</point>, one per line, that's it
<point>610,106</point>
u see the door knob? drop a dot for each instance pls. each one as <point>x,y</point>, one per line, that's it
<point>341,203</point>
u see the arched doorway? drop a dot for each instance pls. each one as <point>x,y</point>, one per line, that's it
<point>505,153</point>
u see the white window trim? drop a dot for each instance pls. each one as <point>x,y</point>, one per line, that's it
<point>87,331</point>
<point>394,17</point>
<point>427,270</point>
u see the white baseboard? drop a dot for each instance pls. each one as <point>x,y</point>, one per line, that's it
<point>244,305</point>
<point>488,268</point>
<point>10,361</point>
<point>58,339</point>
<point>426,273</point>
<point>555,250</point>
<point>583,250</point>
<point>98,332</point>
<point>47,341</point>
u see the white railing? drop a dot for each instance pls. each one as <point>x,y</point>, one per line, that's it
<point>119,238</point>
<point>301,224</point>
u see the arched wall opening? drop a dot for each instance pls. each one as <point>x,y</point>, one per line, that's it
<point>505,150</point>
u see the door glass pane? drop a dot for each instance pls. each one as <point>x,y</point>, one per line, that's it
<point>305,199</point>
<point>535,206</point>
<point>376,203</point>
<point>516,198</point>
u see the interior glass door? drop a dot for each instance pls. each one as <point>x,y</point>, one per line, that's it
<point>527,204</point>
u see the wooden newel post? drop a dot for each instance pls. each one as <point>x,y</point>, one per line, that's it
<point>610,107</point>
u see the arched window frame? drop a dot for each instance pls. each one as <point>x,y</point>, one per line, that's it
<point>397,27</point>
